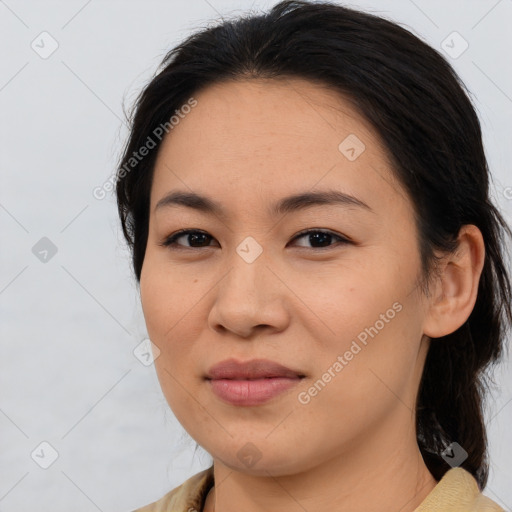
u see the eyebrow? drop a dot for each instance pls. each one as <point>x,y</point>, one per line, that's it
<point>288,204</point>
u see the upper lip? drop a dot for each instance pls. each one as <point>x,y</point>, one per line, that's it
<point>253,369</point>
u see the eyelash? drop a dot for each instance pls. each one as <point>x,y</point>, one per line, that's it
<point>170,241</point>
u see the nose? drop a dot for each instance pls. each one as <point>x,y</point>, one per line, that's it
<point>250,298</point>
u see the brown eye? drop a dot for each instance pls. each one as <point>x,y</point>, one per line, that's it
<point>321,239</point>
<point>195,238</point>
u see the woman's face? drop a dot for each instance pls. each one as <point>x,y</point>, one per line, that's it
<point>345,313</point>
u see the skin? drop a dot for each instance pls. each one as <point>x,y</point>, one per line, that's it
<point>248,144</point>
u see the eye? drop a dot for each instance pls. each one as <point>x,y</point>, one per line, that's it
<point>198,239</point>
<point>193,236</point>
<point>322,237</point>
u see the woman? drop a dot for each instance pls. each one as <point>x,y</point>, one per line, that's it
<point>305,193</point>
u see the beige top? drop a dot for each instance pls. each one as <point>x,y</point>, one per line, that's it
<point>457,491</point>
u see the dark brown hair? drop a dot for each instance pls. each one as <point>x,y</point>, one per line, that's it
<point>422,112</point>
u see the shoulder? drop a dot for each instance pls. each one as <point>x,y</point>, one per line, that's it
<point>187,497</point>
<point>458,491</point>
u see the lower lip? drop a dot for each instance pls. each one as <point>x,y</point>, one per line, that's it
<point>251,392</point>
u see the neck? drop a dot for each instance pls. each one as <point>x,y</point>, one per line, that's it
<point>364,478</point>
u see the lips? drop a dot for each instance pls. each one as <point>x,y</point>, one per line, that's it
<point>250,383</point>
<point>250,370</point>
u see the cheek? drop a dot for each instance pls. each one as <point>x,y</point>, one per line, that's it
<point>357,385</point>
<point>174,317</point>
<point>375,331</point>
<point>378,367</point>
<point>168,300</point>
<point>353,301</point>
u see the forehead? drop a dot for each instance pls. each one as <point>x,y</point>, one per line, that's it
<point>299,112</point>
<point>271,135</point>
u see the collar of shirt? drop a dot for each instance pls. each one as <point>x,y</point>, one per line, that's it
<point>457,491</point>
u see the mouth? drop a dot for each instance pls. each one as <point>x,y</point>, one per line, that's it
<point>251,370</point>
<point>251,392</point>
<point>251,383</point>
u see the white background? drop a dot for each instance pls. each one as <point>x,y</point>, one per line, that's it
<point>68,375</point>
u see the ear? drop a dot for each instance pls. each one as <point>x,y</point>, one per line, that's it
<point>454,293</point>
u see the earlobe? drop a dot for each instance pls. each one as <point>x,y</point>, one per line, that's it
<point>456,288</point>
